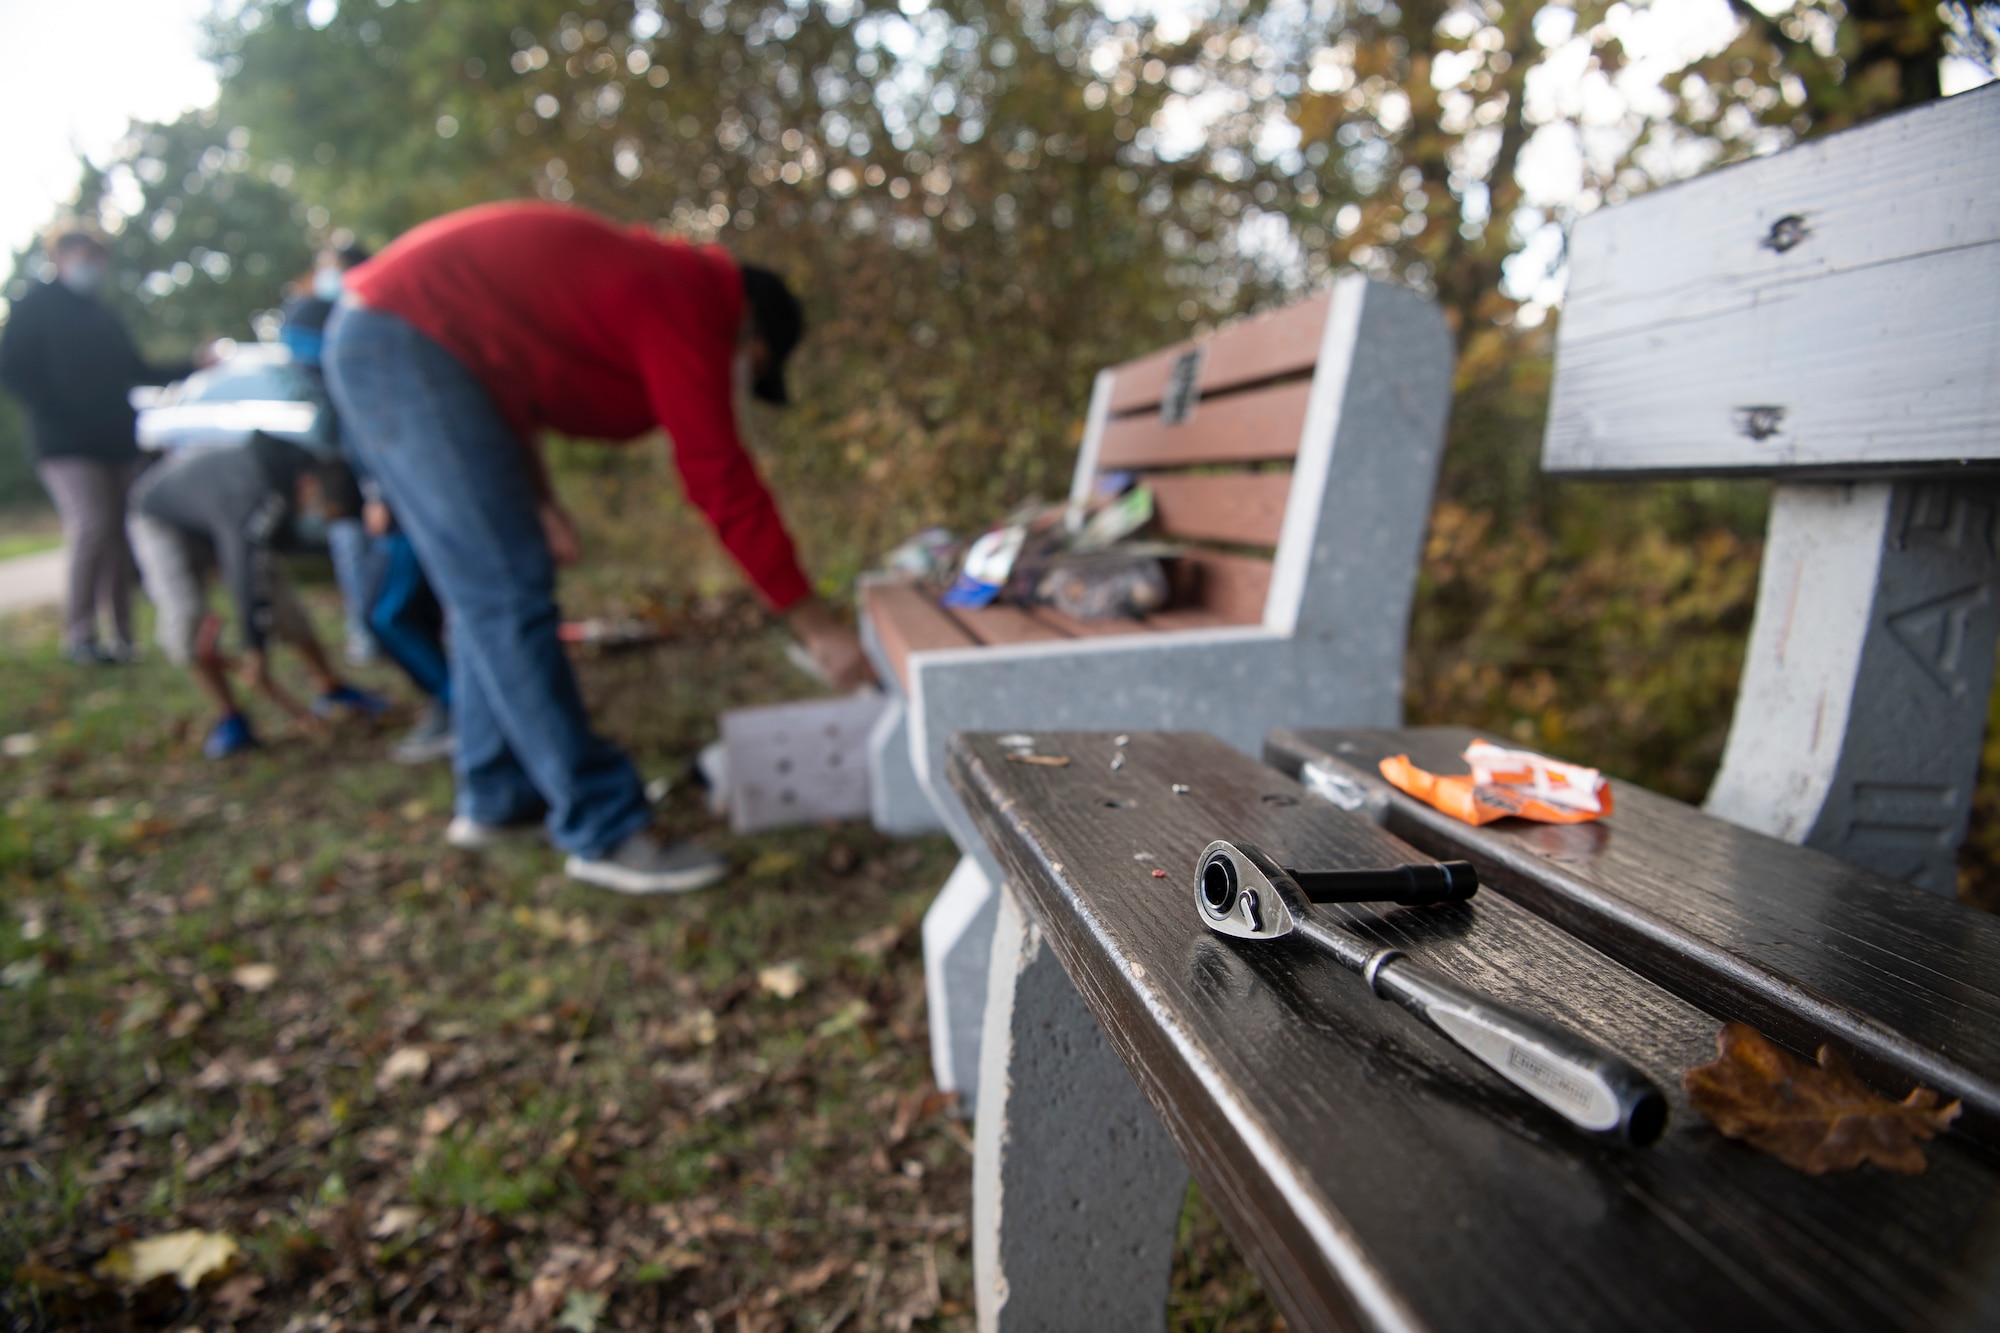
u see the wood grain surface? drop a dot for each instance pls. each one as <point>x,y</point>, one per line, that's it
<point>908,620</point>
<point>1833,307</point>
<point>1260,347</point>
<point>1246,508</point>
<point>1801,945</point>
<point>1376,1176</point>
<point>1255,425</point>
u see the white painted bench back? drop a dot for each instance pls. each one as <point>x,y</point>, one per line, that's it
<point>1830,317</point>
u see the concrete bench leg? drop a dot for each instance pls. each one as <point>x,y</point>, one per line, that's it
<point>1866,682</point>
<point>1076,1189</point>
<point>958,946</point>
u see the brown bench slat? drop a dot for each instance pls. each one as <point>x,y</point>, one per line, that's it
<point>1005,624</point>
<point>1233,587</point>
<point>1338,1138</point>
<point>1804,946</point>
<point>1078,628</point>
<point>908,621</point>
<point>1187,617</point>
<point>1243,428</point>
<point>1277,342</point>
<point>1247,508</point>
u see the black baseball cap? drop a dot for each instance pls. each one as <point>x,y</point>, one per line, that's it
<point>776,318</point>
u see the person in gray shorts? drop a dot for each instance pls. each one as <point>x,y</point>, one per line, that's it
<point>232,508</point>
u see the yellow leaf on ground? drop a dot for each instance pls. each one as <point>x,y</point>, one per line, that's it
<point>770,865</point>
<point>783,980</point>
<point>254,977</point>
<point>405,1063</point>
<point>188,1257</point>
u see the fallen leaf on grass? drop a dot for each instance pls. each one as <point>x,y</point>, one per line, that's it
<point>20,745</point>
<point>237,1297</point>
<point>405,1063</point>
<point>877,944</point>
<point>188,1257</point>
<point>845,1019</point>
<point>22,972</point>
<point>185,1020</point>
<point>32,1110</point>
<point>581,1311</point>
<point>770,865</point>
<point>812,1279</point>
<point>1814,1120</point>
<point>723,1098</point>
<point>783,980</point>
<point>254,977</point>
<point>394,1222</point>
<point>224,1151</point>
<point>554,925</point>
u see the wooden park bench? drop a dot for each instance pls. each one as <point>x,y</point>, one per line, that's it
<point>1829,316</point>
<point>1294,454</point>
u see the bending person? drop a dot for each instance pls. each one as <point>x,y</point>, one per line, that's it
<point>229,508</point>
<point>451,351</point>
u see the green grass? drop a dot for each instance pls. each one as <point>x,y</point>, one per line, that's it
<point>27,543</point>
<point>262,999</point>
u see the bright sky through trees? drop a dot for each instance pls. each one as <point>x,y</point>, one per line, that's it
<point>73,74</point>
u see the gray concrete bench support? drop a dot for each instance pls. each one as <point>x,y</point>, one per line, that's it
<point>1076,1188</point>
<point>1865,688</point>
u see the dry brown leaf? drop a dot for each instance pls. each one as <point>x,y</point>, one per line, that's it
<point>1814,1120</point>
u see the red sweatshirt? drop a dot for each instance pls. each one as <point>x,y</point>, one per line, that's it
<point>599,331</point>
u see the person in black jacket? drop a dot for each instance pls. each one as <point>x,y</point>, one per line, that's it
<point>71,362</point>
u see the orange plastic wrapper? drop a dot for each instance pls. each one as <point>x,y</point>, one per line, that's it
<point>1503,783</point>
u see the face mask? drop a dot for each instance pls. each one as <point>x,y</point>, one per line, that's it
<point>83,276</point>
<point>326,284</point>
<point>309,527</point>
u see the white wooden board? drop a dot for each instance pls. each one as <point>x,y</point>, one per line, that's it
<point>799,763</point>
<point>1833,307</point>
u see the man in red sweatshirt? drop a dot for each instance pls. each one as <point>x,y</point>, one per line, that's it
<point>451,351</point>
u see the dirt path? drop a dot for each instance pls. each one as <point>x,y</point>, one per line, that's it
<point>31,580</point>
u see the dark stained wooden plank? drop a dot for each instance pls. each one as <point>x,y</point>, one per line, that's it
<point>1261,347</point>
<point>1246,508</point>
<point>1232,587</point>
<point>1376,1176</point>
<point>1005,624</point>
<point>1804,946</point>
<point>1253,426</point>
<point>907,621</point>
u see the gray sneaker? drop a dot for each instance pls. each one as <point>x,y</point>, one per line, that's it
<point>429,740</point>
<point>640,864</point>
<point>469,835</point>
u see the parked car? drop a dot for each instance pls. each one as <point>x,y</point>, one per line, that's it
<point>256,387</point>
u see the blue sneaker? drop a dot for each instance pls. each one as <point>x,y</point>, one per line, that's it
<point>359,702</point>
<point>230,736</point>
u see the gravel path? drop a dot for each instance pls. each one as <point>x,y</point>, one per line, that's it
<point>31,580</point>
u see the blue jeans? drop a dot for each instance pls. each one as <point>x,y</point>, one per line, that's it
<point>347,542</point>
<point>458,479</point>
<point>407,620</point>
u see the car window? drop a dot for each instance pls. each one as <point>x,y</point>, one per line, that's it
<point>238,383</point>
